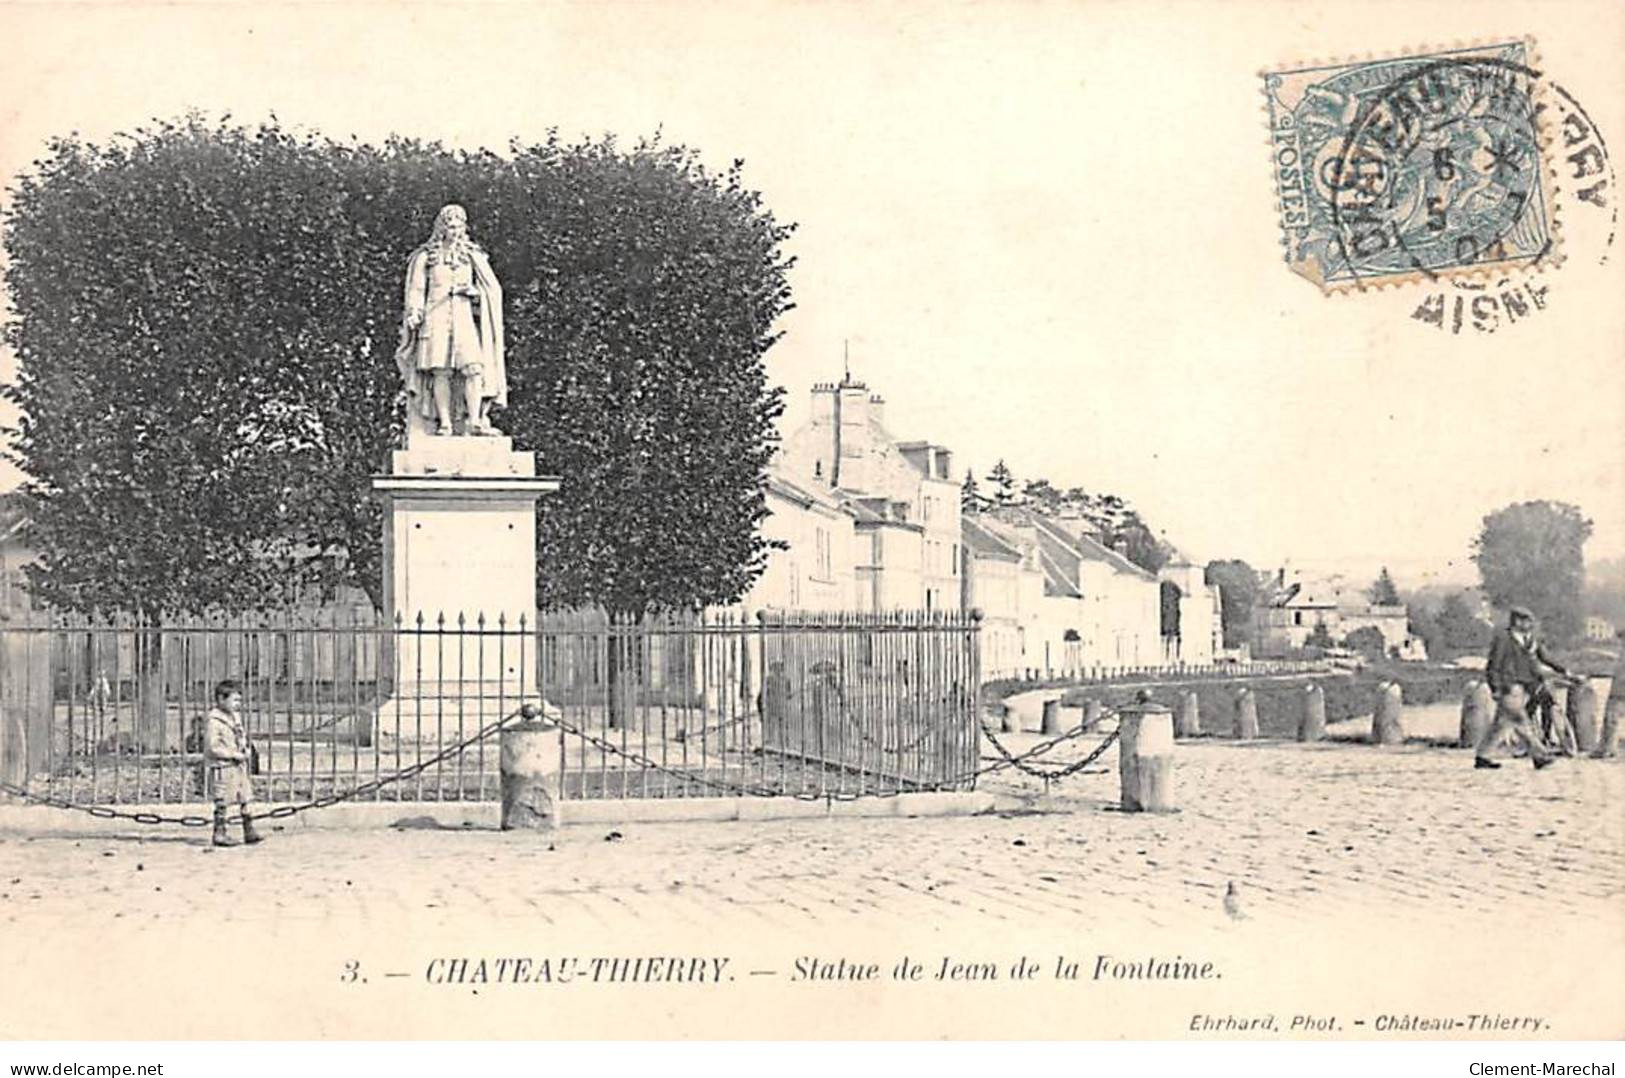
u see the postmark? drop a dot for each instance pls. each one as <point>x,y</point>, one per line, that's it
<point>1415,168</point>
<point>1586,193</point>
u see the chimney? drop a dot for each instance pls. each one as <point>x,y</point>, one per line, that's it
<point>851,433</point>
<point>823,403</point>
<point>877,409</point>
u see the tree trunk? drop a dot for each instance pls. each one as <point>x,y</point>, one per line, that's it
<point>620,668</point>
<point>150,735</point>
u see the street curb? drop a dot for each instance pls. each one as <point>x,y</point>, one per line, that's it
<point>42,821</point>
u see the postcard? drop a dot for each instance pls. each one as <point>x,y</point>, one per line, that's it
<point>776,521</point>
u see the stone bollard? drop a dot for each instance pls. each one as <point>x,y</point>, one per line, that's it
<point>1386,727</point>
<point>1561,735</point>
<point>1608,743</point>
<point>1477,712</point>
<point>1145,756</point>
<point>530,765</point>
<point>1246,728</point>
<point>1586,702</point>
<point>1190,716</point>
<point>1092,710</point>
<point>1051,721</point>
<point>1312,727</point>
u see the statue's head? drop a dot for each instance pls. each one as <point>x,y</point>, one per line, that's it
<point>450,225</point>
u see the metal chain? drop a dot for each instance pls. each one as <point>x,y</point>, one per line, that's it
<point>281,812</point>
<point>1007,760</point>
<point>702,780</point>
<point>1042,747</point>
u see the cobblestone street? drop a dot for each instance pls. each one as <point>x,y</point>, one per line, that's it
<point>1314,839</point>
<point>1303,831</point>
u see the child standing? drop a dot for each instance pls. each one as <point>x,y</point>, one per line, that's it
<point>226,753</point>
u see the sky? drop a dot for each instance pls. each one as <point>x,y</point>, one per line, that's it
<point>1044,232</point>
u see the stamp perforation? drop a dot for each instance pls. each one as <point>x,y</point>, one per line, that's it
<point>1296,186</point>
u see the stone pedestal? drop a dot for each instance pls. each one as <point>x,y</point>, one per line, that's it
<point>459,584</point>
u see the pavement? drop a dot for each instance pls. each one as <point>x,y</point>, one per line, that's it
<point>1317,840</point>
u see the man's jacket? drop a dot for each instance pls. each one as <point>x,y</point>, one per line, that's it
<point>1514,663</point>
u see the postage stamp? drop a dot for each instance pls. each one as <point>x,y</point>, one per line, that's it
<point>1412,168</point>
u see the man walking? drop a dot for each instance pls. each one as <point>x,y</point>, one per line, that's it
<point>226,753</point>
<point>1514,674</point>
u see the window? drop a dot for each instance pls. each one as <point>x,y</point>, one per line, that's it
<point>953,570</point>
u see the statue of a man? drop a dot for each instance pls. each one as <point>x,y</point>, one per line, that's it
<point>451,333</point>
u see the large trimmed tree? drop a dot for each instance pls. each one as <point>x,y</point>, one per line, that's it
<point>1533,554</point>
<point>204,316</point>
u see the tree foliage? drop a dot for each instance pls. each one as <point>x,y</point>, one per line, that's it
<point>1004,484</point>
<point>1368,641</point>
<point>204,321</point>
<point>1382,590</point>
<point>1533,554</point>
<point>1240,589</point>
<point>1119,526</point>
<point>970,495</point>
<point>1460,632</point>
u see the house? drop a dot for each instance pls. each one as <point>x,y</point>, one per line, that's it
<point>1002,581</point>
<point>1090,605</point>
<point>1301,605</point>
<point>815,570</point>
<point>902,496</point>
<point>1049,613</point>
<point>1192,617</point>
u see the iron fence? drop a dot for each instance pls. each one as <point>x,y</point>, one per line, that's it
<point>111,712</point>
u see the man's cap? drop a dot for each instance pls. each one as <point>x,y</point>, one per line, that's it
<point>1522,612</point>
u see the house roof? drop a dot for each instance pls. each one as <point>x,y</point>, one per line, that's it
<point>805,496</point>
<point>1057,581</point>
<point>1056,558</point>
<point>1297,598</point>
<point>1101,552</point>
<point>867,514</point>
<point>1082,546</point>
<point>981,542</point>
